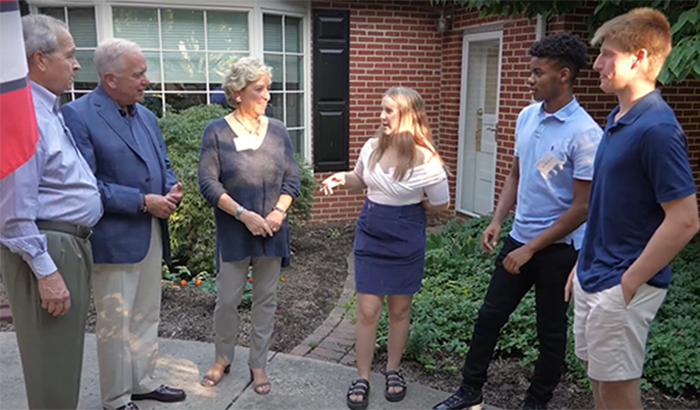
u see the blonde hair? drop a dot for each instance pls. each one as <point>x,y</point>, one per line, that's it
<point>413,132</point>
<point>243,72</point>
<point>641,28</point>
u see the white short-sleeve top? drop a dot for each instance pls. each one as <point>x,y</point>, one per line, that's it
<point>428,179</point>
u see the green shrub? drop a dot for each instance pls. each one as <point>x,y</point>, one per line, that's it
<point>192,224</point>
<point>457,274</point>
<point>301,208</point>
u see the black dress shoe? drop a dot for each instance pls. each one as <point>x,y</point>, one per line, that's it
<point>463,399</point>
<point>531,403</point>
<point>163,394</point>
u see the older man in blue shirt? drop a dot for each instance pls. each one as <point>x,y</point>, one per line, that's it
<point>555,144</point>
<point>48,207</point>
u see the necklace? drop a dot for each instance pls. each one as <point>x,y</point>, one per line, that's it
<point>257,129</point>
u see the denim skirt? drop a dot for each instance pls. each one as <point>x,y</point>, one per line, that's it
<point>389,251</point>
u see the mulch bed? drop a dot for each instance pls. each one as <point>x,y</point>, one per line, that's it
<point>508,382</point>
<point>313,284</point>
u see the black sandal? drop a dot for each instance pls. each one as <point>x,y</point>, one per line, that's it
<point>359,387</point>
<point>394,379</point>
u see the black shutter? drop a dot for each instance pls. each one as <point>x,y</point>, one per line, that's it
<point>331,89</point>
<point>23,7</point>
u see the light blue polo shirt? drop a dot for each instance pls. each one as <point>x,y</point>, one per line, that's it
<point>566,141</point>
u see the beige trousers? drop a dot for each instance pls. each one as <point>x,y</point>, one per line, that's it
<point>230,283</point>
<point>50,347</point>
<point>127,301</point>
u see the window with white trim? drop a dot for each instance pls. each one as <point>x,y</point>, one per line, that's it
<point>81,24</point>
<point>187,51</point>
<point>283,50</point>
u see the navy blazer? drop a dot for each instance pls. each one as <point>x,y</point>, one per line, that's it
<point>103,137</point>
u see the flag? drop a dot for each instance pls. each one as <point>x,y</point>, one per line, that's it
<point>18,129</point>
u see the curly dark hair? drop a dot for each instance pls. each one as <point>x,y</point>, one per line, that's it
<point>567,49</point>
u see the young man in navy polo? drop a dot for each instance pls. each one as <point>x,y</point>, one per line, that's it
<point>555,144</point>
<point>643,210</point>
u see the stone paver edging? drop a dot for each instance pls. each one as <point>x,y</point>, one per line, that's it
<point>334,340</point>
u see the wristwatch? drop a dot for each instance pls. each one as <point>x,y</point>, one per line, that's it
<point>239,211</point>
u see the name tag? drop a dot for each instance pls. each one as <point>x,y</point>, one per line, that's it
<point>547,163</point>
<point>243,144</point>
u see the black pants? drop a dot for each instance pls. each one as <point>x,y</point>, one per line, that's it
<point>548,270</point>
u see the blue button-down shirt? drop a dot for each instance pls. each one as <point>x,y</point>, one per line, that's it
<point>569,139</point>
<point>55,184</point>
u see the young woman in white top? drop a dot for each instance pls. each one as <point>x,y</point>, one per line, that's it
<point>404,177</point>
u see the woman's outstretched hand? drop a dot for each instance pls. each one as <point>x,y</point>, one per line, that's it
<point>331,182</point>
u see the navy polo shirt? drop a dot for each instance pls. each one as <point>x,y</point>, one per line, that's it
<point>641,162</point>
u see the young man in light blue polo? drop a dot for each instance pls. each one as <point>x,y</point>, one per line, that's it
<point>555,144</point>
<point>643,210</point>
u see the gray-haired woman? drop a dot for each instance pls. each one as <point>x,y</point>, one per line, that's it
<point>248,174</point>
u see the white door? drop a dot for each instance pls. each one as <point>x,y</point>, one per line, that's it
<point>481,73</point>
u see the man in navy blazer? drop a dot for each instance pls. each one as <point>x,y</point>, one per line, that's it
<point>121,141</point>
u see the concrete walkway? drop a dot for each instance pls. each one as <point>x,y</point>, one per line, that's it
<point>297,382</point>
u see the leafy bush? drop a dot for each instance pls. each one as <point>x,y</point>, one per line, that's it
<point>457,274</point>
<point>192,224</point>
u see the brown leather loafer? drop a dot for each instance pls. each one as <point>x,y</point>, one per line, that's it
<point>163,394</point>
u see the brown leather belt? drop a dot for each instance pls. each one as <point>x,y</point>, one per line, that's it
<point>82,232</point>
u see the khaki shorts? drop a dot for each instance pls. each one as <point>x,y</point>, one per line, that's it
<point>611,336</point>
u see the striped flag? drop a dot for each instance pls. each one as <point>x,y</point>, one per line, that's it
<point>18,129</point>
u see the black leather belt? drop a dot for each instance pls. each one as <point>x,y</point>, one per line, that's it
<point>82,232</point>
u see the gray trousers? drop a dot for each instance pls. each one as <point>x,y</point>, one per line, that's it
<point>230,283</point>
<point>50,347</point>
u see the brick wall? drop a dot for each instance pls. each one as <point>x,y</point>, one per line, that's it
<point>684,98</point>
<point>391,43</point>
<point>396,43</point>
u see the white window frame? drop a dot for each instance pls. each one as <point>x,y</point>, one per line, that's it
<point>255,8</point>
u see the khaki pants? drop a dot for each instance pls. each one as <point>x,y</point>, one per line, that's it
<point>51,347</point>
<point>127,300</point>
<point>230,283</point>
